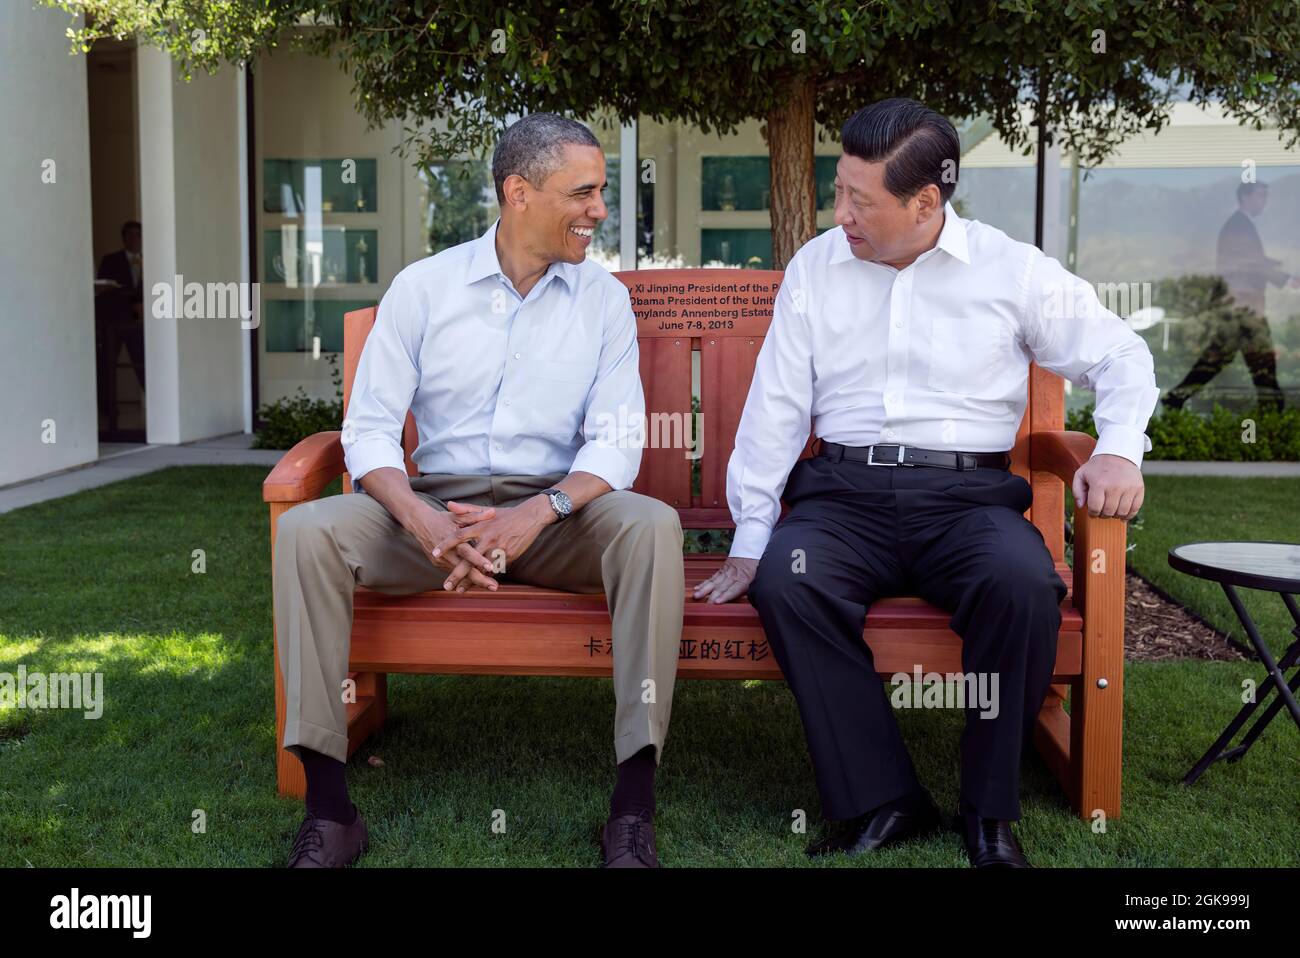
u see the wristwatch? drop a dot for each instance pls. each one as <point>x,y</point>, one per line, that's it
<point>560,503</point>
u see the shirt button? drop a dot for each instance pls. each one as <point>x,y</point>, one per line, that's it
<point>496,446</point>
<point>898,324</point>
<point>517,356</point>
<point>889,434</point>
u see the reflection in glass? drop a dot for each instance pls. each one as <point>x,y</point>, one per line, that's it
<point>340,256</point>
<point>1246,272</point>
<point>336,186</point>
<point>1219,255</point>
<point>729,183</point>
<point>459,202</point>
<point>293,325</point>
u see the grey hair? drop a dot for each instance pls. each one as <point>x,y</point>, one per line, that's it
<point>533,147</point>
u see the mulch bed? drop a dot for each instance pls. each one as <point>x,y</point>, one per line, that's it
<point>1157,629</point>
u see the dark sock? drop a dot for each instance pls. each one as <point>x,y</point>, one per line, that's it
<point>634,790</point>
<point>327,790</point>
<point>911,802</point>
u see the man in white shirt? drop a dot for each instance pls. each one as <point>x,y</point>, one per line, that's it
<point>518,358</point>
<point>903,338</point>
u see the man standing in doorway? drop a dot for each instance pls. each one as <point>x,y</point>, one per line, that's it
<point>121,306</point>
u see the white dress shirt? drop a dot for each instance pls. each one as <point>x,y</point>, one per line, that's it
<point>499,384</point>
<point>935,355</point>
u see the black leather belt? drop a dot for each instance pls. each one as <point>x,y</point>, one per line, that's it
<point>895,455</point>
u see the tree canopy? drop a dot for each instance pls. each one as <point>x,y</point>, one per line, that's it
<point>1093,72</point>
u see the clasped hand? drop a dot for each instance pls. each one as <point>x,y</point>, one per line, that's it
<point>474,543</point>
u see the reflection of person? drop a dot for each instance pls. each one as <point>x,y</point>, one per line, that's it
<point>909,325</point>
<point>1247,272</point>
<point>514,353</point>
<point>121,308</point>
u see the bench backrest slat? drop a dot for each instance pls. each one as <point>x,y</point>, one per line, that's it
<point>680,340</point>
<point>666,380</point>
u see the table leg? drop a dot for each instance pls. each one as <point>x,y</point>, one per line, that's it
<point>1276,679</point>
<point>1288,659</point>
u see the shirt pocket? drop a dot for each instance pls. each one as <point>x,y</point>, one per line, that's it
<point>558,397</point>
<point>967,355</point>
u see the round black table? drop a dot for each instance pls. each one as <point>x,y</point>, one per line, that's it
<point>1270,567</point>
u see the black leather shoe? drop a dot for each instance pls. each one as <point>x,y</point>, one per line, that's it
<point>891,824</point>
<point>989,841</point>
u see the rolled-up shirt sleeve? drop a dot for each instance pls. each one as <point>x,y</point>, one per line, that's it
<point>614,418</point>
<point>386,379</point>
<point>774,425</point>
<point>1070,332</point>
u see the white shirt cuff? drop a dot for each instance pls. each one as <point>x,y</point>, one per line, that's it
<point>366,455</point>
<point>608,463</point>
<point>751,538</point>
<point>1126,441</point>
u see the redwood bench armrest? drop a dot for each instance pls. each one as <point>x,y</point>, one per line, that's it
<point>1059,452</point>
<point>1099,594</point>
<point>306,469</point>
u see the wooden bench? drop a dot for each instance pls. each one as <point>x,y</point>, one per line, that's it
<point>523,630</point>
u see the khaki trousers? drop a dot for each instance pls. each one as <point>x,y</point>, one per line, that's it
<point>624,543</point>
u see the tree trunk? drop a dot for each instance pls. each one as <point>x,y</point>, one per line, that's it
<point>789,135</point>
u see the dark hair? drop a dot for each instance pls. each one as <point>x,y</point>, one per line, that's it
<point>533,147</point>
<point>130,225</point>
<point>914,142</point>
<point>1245,189</point>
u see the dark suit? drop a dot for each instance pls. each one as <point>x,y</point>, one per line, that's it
<point>117,267</point>
<point>114,313</point>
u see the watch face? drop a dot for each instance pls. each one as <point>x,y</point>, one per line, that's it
<point>563,504</point>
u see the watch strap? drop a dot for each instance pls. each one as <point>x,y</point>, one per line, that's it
<point>549,493</point>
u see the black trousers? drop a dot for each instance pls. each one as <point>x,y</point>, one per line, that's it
<point>857,532</point>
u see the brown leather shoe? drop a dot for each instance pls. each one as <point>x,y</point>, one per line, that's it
<point>325,844</point>
<point>628,841</point>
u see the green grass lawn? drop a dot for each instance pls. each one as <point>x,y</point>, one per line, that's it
<point>101,581</point>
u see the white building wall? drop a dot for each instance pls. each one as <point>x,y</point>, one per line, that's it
<point>191,211</point>
<point>47,324</point>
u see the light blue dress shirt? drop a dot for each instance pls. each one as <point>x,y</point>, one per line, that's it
<point>499,384</point>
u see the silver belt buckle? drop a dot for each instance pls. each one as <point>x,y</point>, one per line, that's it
<point>871,457</point>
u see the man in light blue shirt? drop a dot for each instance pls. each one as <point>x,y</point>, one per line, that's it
<point>517,357</point>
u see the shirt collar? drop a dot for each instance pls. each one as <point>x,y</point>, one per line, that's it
<point>952,239</point>
<point>484,262</point>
